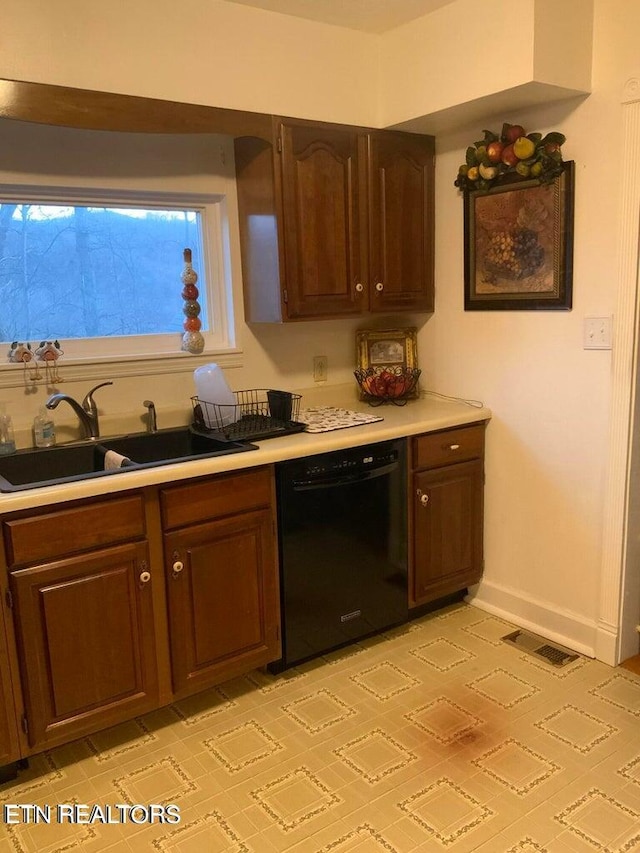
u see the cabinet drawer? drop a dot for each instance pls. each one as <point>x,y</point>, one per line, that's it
<point>70,531</point>
<point>214,498</point>
<point>448,446</point>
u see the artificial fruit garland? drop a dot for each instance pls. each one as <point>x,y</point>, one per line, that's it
<point>511,154</point>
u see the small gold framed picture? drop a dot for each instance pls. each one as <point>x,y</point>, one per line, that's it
<point>387,365</point>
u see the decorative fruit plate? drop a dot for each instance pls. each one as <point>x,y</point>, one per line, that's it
<point>387,384</point>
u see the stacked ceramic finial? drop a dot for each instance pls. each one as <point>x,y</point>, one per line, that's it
<point>192,340</point>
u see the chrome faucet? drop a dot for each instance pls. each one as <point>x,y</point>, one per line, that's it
<point>87,411</point>
<point>152,422</point>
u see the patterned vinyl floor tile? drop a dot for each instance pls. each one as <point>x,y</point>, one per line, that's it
<point>436,736</point>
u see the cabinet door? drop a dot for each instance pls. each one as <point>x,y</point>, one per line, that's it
<point>447,516</point>
<point>401,233</point>
<point>86,637</point>
<point>222,589</point>
<point>322,222</point>
<point>9,741</point>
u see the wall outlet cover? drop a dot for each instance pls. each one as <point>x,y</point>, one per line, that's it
<point>320,367</point>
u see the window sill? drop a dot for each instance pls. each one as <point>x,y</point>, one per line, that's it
<point>110,367</point>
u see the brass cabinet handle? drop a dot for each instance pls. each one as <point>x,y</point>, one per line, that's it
<point>423,496</point>
<point>177,567</point>
<point>145,577</point>
<point>379,286</point>
<point>359,287</point>
<point>454,447</point>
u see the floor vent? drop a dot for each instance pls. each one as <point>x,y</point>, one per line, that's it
<point>538,646</point>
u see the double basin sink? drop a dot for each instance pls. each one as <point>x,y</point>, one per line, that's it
<point>29,469</point>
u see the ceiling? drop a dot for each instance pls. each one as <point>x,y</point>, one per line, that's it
<point>372,16</point>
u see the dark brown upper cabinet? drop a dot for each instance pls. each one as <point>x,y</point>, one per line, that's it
<point>401,221</point>
<point>335,221</point>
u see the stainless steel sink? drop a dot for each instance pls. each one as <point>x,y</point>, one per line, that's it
<point>31,469</point>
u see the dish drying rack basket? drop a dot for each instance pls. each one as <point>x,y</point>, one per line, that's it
<point>249,418</point>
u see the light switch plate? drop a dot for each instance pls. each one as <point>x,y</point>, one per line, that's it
<point>598,332</point>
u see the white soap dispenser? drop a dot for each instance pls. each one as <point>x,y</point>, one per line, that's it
<point>7,438</point>
<point>44,430</point>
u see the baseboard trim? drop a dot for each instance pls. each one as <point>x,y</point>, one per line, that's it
<point>541,617</point>
<point>607,645</point>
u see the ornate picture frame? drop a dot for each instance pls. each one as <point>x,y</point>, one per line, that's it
<point>388,348</point>
<point>518,245</point>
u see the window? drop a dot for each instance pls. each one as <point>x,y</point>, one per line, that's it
<point>103,274</point>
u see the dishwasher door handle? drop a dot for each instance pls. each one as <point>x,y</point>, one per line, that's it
<point>343,479</point>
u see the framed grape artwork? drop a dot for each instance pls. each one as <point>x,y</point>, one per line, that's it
<point>518,244</point>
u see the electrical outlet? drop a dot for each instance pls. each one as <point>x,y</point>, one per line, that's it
<point>320,368</point>
<point>597,332</point>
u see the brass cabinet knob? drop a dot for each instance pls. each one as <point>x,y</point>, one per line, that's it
<point>379,286</point>
<point>359,287</point>
<point>145,577</point>
<point>423,497</point>
<point>177,567</point>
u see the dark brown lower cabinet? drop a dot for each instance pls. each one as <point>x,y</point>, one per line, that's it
<point>223,599</point>
<point>9,740</point>
<point>85,633</point>
<point>447,513</point>
<point>101,631</point>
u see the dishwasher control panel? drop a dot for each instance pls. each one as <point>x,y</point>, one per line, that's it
<point>356,459</point>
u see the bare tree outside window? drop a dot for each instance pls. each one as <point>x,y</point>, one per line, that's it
<point>85,271</point>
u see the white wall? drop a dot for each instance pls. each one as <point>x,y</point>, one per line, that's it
<point>212,52</point>
<point>548,441</point>
<point>562,48</point>
<point>422,76</point>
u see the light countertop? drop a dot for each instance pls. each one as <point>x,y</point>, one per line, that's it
<point>427,414</point>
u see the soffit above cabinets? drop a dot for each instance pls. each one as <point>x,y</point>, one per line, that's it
<point>441,77</point>
<point>371,16</point>
<point>497,106</point>
<point>436,74</point>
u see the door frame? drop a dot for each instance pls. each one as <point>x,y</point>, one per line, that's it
<point>619,606</point>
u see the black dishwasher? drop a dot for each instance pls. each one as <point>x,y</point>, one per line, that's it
<point>343,547</point>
